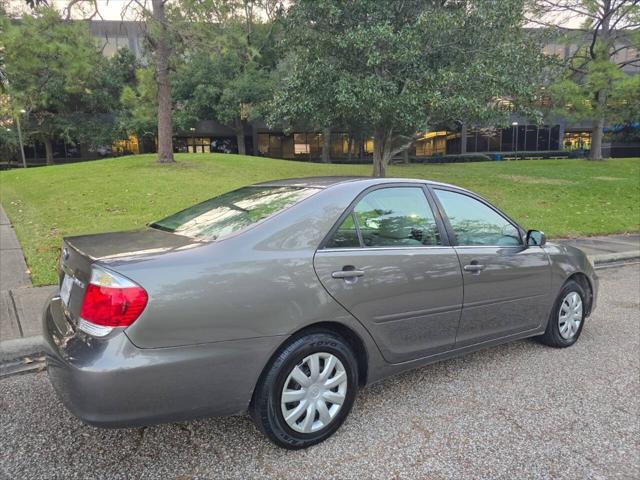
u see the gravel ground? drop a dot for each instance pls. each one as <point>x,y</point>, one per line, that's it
<point>516,411</point>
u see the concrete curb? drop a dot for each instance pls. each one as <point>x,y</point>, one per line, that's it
<point>21,347</point>
<point>615,257</point>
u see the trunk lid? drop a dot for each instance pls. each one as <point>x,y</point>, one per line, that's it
<point>80,252</point>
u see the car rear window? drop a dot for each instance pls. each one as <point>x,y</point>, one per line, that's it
<point>221,216</point>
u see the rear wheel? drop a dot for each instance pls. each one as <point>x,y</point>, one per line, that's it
<point>307,391</point>
<point>567,317</point>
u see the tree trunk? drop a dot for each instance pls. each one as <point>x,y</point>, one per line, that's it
<point>242,149</point>
<point>381,152</point>
<point>48,147</point>
<point>596,139</point>
<point>162,52</point>
<point>405,156</point>
<point>601,95</point>
<point>326,145</point>
<point>349,147</point>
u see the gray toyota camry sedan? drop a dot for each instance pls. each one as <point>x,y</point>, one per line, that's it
<point>282,299</point>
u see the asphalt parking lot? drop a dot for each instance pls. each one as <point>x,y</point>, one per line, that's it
<point>516,411</point>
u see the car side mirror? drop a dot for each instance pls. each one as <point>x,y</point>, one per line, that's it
<point>536,238</point>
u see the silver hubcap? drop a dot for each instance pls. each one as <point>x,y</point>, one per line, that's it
<point>570,315</point>
<point>314,392</point>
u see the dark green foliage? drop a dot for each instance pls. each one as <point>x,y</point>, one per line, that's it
<point>56,74</point>
<point>227,73</point>
<point>396,68</point>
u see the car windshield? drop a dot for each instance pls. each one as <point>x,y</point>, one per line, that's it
<point>232,211</point>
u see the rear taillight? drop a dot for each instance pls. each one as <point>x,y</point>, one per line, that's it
<point>110,300</point>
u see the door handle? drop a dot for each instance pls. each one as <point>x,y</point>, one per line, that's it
<point>347,274</point>
<point>473,268</point>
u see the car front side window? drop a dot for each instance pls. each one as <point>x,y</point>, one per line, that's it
<point>389,217</point>
<point>476,224</point>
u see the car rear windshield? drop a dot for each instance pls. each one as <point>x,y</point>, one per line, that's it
<point>232,211</point>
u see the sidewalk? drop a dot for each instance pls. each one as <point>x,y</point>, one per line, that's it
<point>21,304</point>
<point>605,249</point>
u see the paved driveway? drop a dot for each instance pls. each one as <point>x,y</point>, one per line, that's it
<point>517,411</point>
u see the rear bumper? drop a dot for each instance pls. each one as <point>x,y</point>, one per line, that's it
<point>110,382</point>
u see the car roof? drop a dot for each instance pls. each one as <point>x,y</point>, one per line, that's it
<point>326,182</point>
<point>310,182</point>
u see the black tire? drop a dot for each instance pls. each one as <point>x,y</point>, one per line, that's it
<point>552,336</point>
<point>265,407</point>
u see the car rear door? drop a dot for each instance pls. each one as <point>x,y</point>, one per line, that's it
<point>389,263</point>
<point>506,284</point>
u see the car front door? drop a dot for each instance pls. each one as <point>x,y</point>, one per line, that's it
<point>506,283</point>
<point>388,262</point>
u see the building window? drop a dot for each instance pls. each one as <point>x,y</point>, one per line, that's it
<point>111,44</point>
<point>472,140</point>
<point>368,145</point>
<point>453,143</point>
<point>543,138</point>
<point>340,145</point>
<point>531,138</point>
<point>275,146</point>
<point>506,142</point>
<point>488,140</point>
<point>307,145</point>
<point>300,144</point>
<point>315,144</point>
<point>555,138</point>
<point>577,141</point>
<point>126,147</point>
<point>521,138</point>
<point>198,144</point>
<point>432,143</point>
<point>263,143</point>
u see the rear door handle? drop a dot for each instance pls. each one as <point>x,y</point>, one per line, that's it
<point>347,274</point>
<point>473,268</point>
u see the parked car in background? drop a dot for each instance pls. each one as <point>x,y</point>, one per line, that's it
<point>282,299</point>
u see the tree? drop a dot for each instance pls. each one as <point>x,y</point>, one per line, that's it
<point>103,109</point>
<point>246,84</point>
<point>226,73</point>
<point>138,107</point>
<point>401,67</point>
<point>3,75</point>
<point>163,21</point>
<point>4,24</point>
<point>595,86</point>
<point>8,134</point>
<point>161,40</point>
<point>52,68</point>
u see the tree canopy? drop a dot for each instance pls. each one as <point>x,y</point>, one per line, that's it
<point>403,67</point>
<point>390,70</point>
<point>227,75</point>
<point>594,84</point>
<point>57,75</point>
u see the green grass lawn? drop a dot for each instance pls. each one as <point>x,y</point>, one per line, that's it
<point>560,197</point>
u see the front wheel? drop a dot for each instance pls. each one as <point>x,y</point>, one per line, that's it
<point>567,317</point>
<point>307,391</point>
